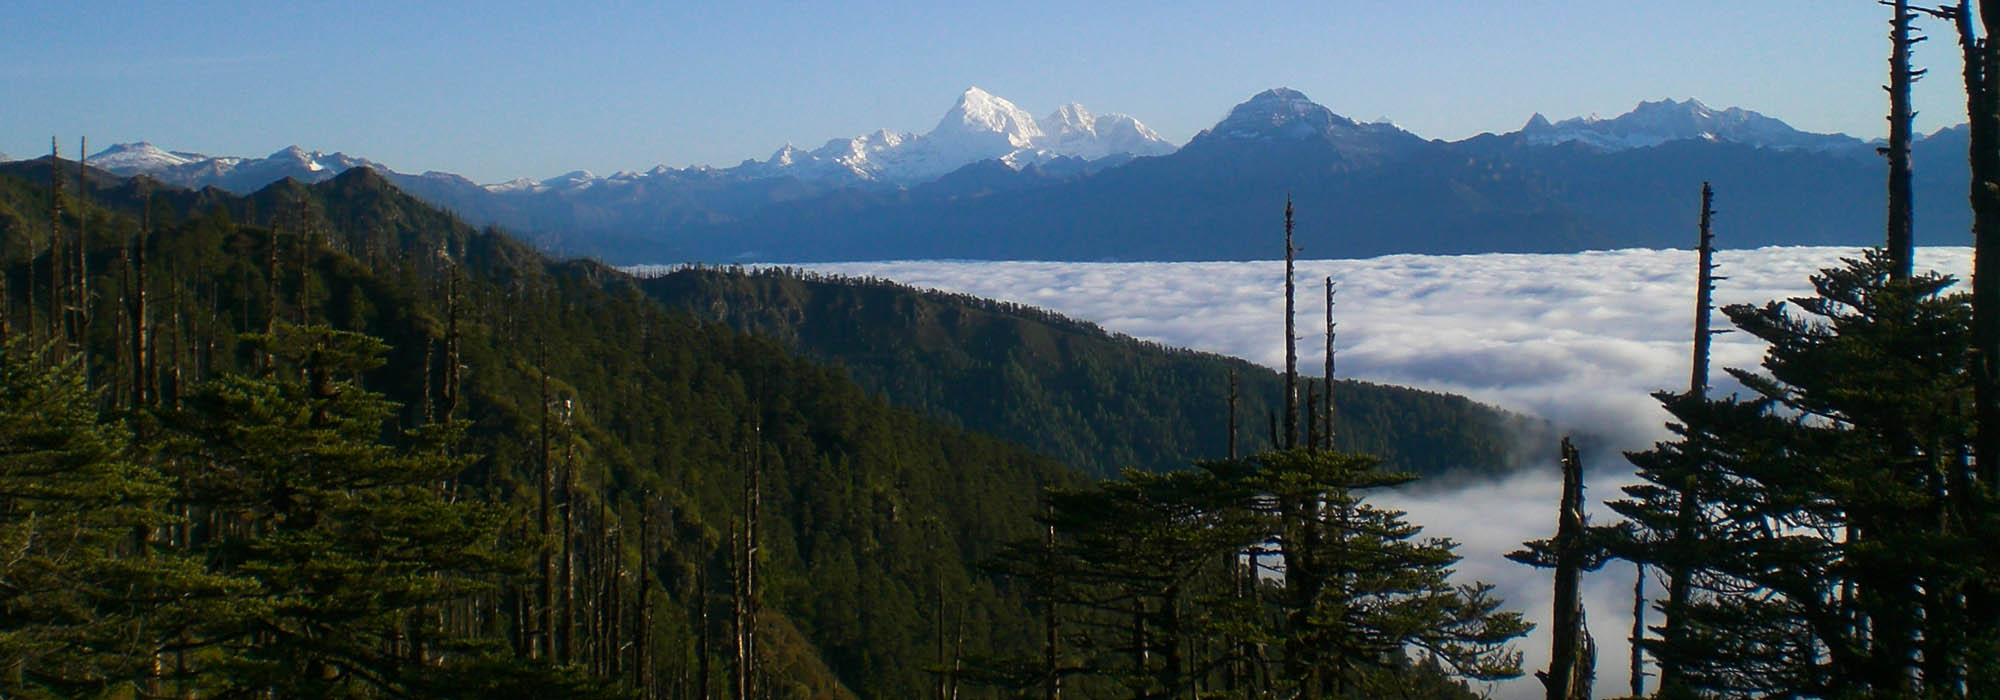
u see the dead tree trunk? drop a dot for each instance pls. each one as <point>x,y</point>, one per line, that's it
<point>642,632</point>
<point>1569,675</point>
<point>566,626</point>
<point>546,619</point>
<point>1638,662</point>
<point>1312,416</point>
<point>1291,340</point>
<point>142,396</point>
<point>1902,251</point>
<point>81,257</point>
<point>451,341</point>
<point>1232,413</point>
<point>1327,409</point>
<point>1051,624</point>
<point>58,329</point>
<point>306,244</point>
<point>1680,586</point>
<point>1982,104</point>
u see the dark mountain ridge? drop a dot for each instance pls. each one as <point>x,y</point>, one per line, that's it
<point>1098,401</point>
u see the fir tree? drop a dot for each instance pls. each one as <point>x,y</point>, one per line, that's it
<point>344,534</point>
<point>89,598</point>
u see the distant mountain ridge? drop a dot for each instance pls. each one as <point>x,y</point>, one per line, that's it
<point>1654,123</point>
<point>992,182</point>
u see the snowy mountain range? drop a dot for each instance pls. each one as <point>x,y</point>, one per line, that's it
<point>980,127</point>
<point>992,181</point>
<point>1654,123</point>
<point>233,173</point>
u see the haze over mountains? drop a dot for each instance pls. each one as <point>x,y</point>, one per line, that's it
<point>990,181</point>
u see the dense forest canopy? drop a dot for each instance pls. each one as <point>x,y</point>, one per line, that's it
<point>327,440</point>
<point>1098,401</point>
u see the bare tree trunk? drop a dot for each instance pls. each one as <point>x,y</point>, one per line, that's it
<point>546,638</point>
<point>1312,416</point>
<point>1982,103</point>
<point>1680,585</point>
<point>306,244</point>
<point>1291,340</point>
<point>451,340</point>
<point>1051,624</point>
<point>642,634</point>
<point>703,639</point>
<point>1330,335</point>
<point>58,314</point>
<point>1567,678</point>
<point>1638,662</point>
<point>1704,291</point>
<point>566,634</point>
<point>1901,246</point>
<point>82,256</point>
<point>1232,413</point>
<point>142,394</point>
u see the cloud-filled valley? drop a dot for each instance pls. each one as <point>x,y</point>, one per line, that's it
<point>1580,339</point>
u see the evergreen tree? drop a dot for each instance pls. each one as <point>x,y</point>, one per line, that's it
<point>1837,523</point>
<point>348,540</point>
<point>90,600</point>
<point>1148,565</point>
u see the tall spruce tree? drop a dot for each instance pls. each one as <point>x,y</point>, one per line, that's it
<point>341,528</point>
<point>90,599</point>
<point>1833,517</point>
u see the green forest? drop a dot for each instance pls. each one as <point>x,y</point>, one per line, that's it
<point>326,440</point>
<point>1097,401</point>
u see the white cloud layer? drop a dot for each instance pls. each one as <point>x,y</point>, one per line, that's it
<point>1580,339</point>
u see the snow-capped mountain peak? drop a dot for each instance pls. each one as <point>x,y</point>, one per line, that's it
<point>141,157</point>
<point>1071,117</point>
<point>1074,131</point>
<point>1654,123</point>
<point>981,116</point>
<point>980,126</point>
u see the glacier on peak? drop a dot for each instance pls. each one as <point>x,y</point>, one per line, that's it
<point>980,126</point>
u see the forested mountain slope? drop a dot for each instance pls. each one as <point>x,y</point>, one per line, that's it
<point>872,517</point>
<point>1066,388</point>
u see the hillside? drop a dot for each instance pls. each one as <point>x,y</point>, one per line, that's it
<point>870,512</point>
<point>1066,388</point>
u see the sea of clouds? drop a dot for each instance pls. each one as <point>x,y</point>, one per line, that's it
<point>1581,340</point>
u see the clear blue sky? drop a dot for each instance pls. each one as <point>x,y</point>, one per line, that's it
<point>497,90</point>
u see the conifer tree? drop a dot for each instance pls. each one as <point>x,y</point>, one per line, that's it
<point>1148,561</point>
<point>344,538</point>
<point>1825,500</point>
<point>88,598</point>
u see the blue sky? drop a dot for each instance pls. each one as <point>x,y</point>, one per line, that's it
<point>498,90</point>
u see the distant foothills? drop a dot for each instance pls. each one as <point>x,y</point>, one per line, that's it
<point>992,182</point>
